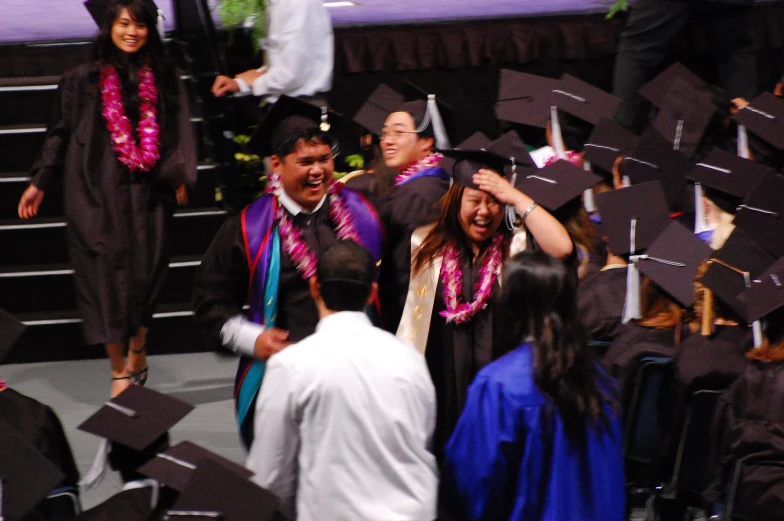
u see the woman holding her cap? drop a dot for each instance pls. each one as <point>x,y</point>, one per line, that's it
<point>456,263</point>
<point>122,144</point>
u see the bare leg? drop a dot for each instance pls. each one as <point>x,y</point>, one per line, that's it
<point>120,376</point>
<point>137,356</point>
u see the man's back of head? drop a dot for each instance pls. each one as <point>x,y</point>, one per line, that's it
<point>345,278</point>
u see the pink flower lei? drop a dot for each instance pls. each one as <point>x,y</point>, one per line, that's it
<point>290,236</point>
<point>452,280</point>
<point>573,157</point>
<point>431,161</point>
<point>2,385</point>
<point>140,157</point>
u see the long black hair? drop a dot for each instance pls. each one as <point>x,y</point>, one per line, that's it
<point>128,65</point>
<point>538,300</point>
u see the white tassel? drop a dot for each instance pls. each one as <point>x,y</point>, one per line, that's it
<point>626,182</point>
<point>631,308</point>
<point>555,131</point>
<point>756,330</point>
<point>743,143</point>
<point>144,483</point>
<point>700,222</point>
<point>439,130</point>
<point>97,469</point>
<point>588,202</point>
<point>161,29</point>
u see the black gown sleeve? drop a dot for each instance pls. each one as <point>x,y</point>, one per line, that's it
<point>221,283</point>
<point>48,166</point>
<point>180,158</point>
<point>58,449</point>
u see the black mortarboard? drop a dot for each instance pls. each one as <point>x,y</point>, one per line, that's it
<point>373,113</point>
<point>556,184</point>
<point>727,177</point>
<point>671,262</point>
<point>97,9</point>
<point>583,100</point>
<point>733,267</point>
<point>287,116</point>
<point>214,488</point>
<point>10,331</point>
<point>645,203</point>
<point>608,141</point>
<point>510,145</point>
<point>524,98</point>
<point>761,215</point>
<point>654,159</point>
<point>137,417</point>
<point>431,119</point>
<point>764,118</point>
<point>656,89</point>
<point>26,475</point>
<point>475,141</point>
<point>175,466</point>
<point>684,115</point>
<point>134,504</point>
<point>468,162</point>
<point>766,295</point>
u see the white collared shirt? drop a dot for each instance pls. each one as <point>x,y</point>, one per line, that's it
<point>300,51</point>
<point>343,423</point>
<point>238,334</point>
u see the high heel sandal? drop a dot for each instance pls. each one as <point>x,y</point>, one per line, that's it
<point>139,377</point>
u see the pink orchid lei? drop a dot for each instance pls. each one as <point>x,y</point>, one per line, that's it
<point>571,156</point>
<point>452,279</point>
<point>140,157</point>
<point>2,385</point>
<point>431,161</point>
<point>290,236</point>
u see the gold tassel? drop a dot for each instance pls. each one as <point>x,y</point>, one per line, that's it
<point>707,312</point>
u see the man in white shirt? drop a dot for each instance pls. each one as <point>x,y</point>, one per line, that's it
<point>299,52</point>
<point>345,417</point>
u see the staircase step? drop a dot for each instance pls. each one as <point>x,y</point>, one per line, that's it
<point>27,100</point>
<point>21,144</point>
<point>42,241</point>
<point>56,336</point>
<point>28,289</point>
<point>13,184</point>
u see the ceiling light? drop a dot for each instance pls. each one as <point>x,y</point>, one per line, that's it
<point>341,4</point>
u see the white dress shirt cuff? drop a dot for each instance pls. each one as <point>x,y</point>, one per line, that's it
<point>239,335</point>
<point>244,88</point>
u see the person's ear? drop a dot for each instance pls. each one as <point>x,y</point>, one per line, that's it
<point>426,144</point>
<point>276,162</point>
<point>315,288</point>
<point>372,296</point>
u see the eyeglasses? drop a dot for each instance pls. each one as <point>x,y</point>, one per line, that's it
<point>395,135</point>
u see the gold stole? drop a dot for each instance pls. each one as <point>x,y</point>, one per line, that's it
<point>414,325</point>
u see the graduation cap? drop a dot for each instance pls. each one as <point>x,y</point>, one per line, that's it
<point>764,117</point>
<point>671,262</point>
<point>583,100</point>
<point>608,141</point>
<point>645,204</point>
<point>655,160</point>
<point>215,491</point>
<point>11,330</point>
<point>761,215</point>
<point>656,89</point>
<point>137,417</point>
<point>475,141</point>
<point>524,98</point>
<point>469,162</point>
<point>175,466</point>
<point>732,268</point>
<point>134,504</point>
<point>725,178</point>
<point>556,184</point>
<point>684,115</point>
<point>97,10</point>
<point>766,295</point>
<point>431,116</point>
<point>373,113</point>
<point>287,116</point>
<point>26,475</point>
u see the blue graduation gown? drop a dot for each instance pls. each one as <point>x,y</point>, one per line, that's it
<point>509,456</point>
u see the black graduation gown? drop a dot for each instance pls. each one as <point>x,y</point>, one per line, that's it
<point>221,284</point>
<point>455,353</point>
<point>363,184</point>
<point>118,222</point>
<point>749,423</point>
<point>600,300</point>
<point>404,209</point>
<point>39,425</point>
<point>712,362</point>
